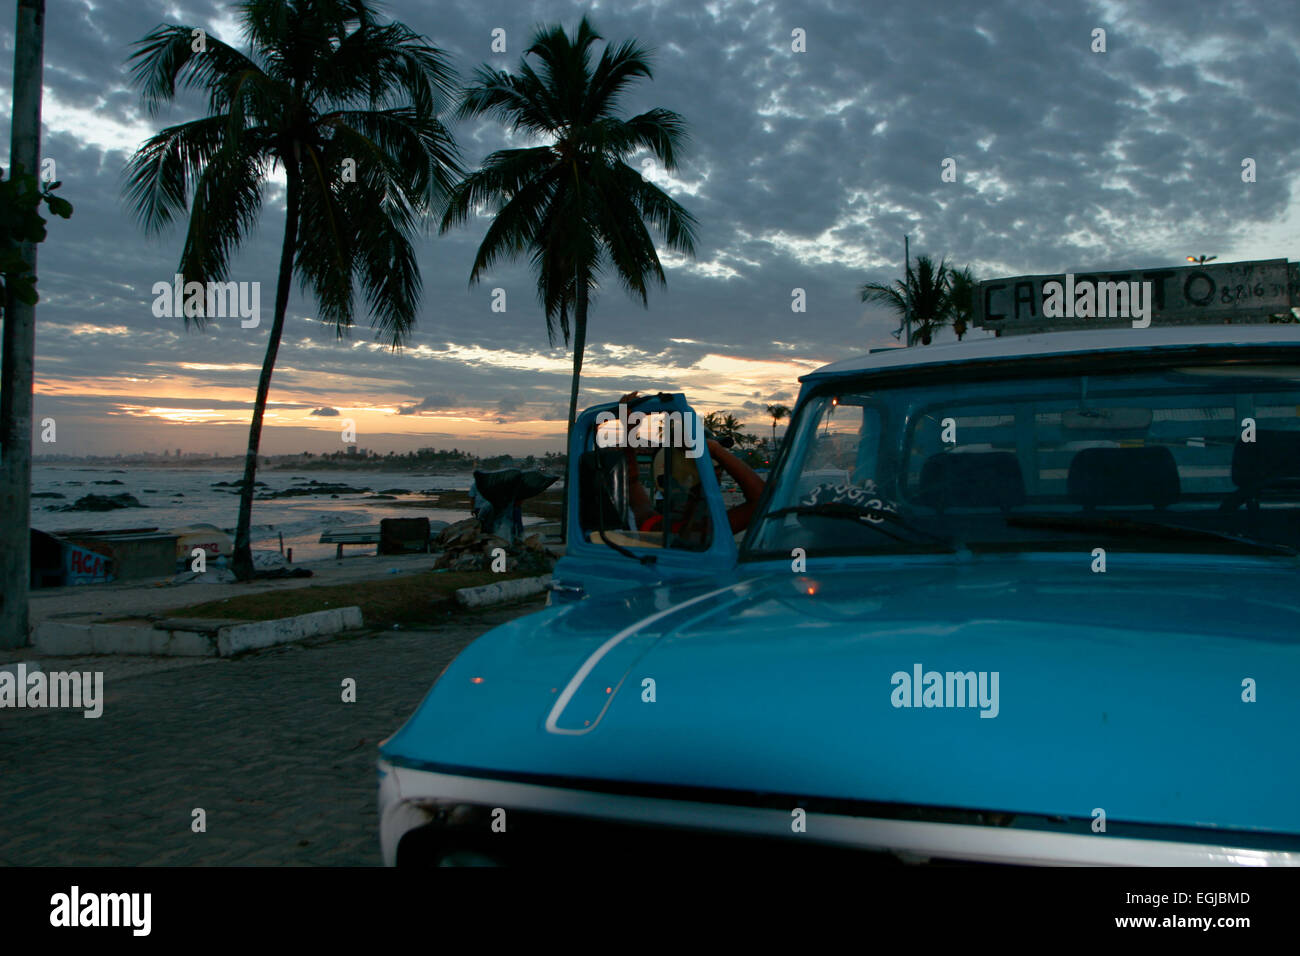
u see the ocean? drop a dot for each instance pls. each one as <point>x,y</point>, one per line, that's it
<point>180,495</point>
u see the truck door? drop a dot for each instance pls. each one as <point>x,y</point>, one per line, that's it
<point>644,506</point>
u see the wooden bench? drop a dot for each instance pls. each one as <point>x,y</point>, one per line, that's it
<point>353,534</point>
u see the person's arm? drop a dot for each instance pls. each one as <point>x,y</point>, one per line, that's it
<point>751,486</point>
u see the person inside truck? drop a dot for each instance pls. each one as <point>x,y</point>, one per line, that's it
<point>680,493</point>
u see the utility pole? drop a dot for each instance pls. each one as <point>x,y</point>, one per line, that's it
<point>17,365</point>
<point>907,287</point>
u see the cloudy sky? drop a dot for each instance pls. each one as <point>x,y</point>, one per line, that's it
<point>804,170</point>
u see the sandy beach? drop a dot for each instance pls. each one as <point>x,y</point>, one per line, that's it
<point>151,596</point>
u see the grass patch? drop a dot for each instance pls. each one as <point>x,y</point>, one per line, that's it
<point>407,599</point>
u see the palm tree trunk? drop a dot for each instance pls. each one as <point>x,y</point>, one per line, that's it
<point>19,350</point>
<point>242,563</point>
<point>579,344</point>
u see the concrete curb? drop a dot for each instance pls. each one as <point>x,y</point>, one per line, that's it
<point>59,639</point>
<point>503,591</point>
<point>248,637</point>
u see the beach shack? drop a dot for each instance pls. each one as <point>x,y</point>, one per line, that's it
<point>131,554</point>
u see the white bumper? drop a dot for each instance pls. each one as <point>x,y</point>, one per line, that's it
<point>406,797</point>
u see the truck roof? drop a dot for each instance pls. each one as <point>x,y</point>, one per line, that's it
<point>1063,343</point>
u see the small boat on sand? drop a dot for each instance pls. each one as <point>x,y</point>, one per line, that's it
<point>209,537</point>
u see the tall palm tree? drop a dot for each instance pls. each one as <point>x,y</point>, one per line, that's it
<point>929,287</point>
<point>322,82</point>
<point>778,412</point>
<point>572,202</point>
<point>961,299</point>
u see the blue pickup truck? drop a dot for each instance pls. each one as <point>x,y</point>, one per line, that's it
<point>1029,599</point>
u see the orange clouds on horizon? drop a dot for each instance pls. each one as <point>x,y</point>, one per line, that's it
<point>300,399</point>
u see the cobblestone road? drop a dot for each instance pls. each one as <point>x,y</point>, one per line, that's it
<point>263,743</point>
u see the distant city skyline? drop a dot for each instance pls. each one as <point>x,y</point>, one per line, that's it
<point>351,452</point>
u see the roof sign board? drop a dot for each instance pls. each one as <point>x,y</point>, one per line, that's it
<point>1213,293</point>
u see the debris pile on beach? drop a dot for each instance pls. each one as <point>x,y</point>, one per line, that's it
<point>466,547</point>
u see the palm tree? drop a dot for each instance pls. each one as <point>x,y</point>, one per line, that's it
<point>736,429</point>
<point>929,287</point>
<point>573,203</point>
<point>961,299</point>
<point>725,426</point>
<point>777,412</point>
<point>322,83</point>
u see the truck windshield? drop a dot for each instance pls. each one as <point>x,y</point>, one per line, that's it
<point>1197,457</point>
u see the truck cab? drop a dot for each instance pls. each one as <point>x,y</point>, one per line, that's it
<point>1012,445</point>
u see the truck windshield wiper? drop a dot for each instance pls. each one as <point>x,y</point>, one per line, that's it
<point>1132,527</point>
<point>867,517</point>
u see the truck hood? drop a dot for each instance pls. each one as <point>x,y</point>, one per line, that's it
<point>1162,692</point>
